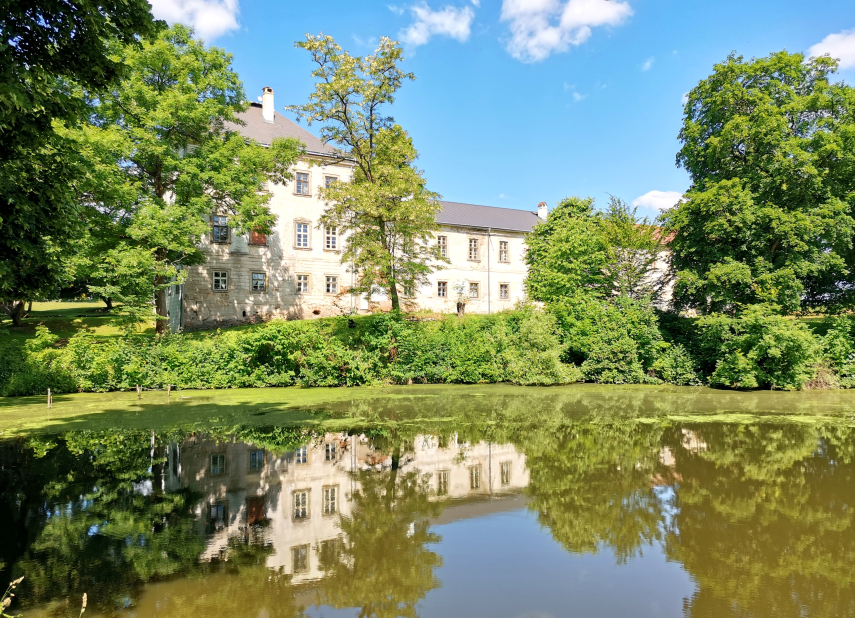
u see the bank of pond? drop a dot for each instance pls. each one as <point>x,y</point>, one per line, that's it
<point>420,501</point>
<point>619,342</point>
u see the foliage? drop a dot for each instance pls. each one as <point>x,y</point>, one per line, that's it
<point>386,211</point>
<point>769,215</point>
<point>567,253</point>
<point>758,349</point>
<point>838,348</point>
<point>48,48</point>
<point>162,162</point>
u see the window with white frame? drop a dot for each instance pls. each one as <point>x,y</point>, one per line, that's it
<point>301,504</point>
<point>474,290</point>
<point>504,251</point>
<point>303,284</point>
<point>259,282</point>
<point>473,248</point>
<point>302,184</point>
<point>504,291</point>
<point>331,238</point>
<point>256,460</point>
<point>442,243</point>
<point>301,230</point>
<point>300,559</point>
<point>220,229</point>
<point>301,455</point>
<point>330,500</point>
<point>475,477</point>
<point>442,483</point>
<point>330,451</point>
<point>220,280</point>
<point>218,464</point>
<point>505,470</point>
<point>332,285</point>
<point>442,289</point>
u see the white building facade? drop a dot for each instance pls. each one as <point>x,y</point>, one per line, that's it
<point>297,271</point>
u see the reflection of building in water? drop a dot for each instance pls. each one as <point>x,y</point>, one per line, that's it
<point>297,496</point>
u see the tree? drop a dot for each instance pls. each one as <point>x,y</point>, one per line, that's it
<point>162,162</point>
<point>769,215</point>
<point>48,48</point>
<point>568,253</point>
<point>386,212</point>
<point>634,246</point>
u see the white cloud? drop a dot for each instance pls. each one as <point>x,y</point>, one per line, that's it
<point>658,200</point>
<point>541,27</point>
<point>648,64</point>
<point>209,18</point>
<point>449,21</point>
<point>840,46</point>
<point>476,2</point>
<point>578,97</point>
<point>397,10</point>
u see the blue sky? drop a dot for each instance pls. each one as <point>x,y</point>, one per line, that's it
<point>521,101</point>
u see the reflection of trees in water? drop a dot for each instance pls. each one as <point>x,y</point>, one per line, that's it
<point>765,521</point>
<point>385,564</point>
<point>90,520</point>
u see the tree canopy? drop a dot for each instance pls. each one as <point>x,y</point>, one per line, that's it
<point>769,144</point>
<point>386,212</point>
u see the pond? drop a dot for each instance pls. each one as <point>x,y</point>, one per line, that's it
<point>435,501</point>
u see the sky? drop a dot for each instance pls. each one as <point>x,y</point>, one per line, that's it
<point>521,101</point>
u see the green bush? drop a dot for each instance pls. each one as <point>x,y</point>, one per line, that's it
<point>838,349</point>
<point>759,348</point>
<point>676,366</point>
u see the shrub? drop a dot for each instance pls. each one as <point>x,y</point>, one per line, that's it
<point>838,350</point>
<point>676,366</point>
<point>759,348</point>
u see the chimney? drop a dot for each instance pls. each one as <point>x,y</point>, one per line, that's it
<point>267,104</point>
<point>542,211</point>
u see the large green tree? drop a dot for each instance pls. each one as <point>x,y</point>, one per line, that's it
<point>386,212</point>
<point>162,162</point>
<point>48,49</point>
<point>770,147</point>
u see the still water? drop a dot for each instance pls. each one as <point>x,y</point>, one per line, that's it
<point>535,514</point>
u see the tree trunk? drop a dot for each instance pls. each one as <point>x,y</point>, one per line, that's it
<point>161,325</point>
<point>109,302</point>
<point>29,307</point>
<point>461,307</point>
<point>393,295</point>
<point>15,310</point>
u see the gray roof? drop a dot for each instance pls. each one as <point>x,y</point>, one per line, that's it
<point>470,215</point>
<point>265,132</point>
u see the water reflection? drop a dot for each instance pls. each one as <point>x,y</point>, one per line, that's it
<point>274,521</point>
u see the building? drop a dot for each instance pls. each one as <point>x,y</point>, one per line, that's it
<point>296,271</point>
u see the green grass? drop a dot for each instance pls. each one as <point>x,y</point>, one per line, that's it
<point>66,319</point>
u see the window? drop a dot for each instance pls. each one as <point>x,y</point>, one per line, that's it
<point>442,242</point>
<point>302,231</point>
<point>504,291</point>
<point>330,500</point>
<point>442,289</point>
<point>220,280</point>
<point>505,469</point>
<point>475,477</point>
<point>442,483</point>
<point>256,460</point>
<point>300,559</point>
<point>504,252</point>
<point>303,284</point>
<point>473,248</point>
<point>329,553</point>
<point>473,290</point>
<point>302,186</point>
<point>220,231</point>
<point>330,451</point>
<point>331,238</point>
<point>259,282</point>
<point>218,464</point>
<point>301,504</point>
<point>301,455</point>
<point>332,285</point>
<point>218,515</point>
<point>257,238</point>
<point>328,180</point>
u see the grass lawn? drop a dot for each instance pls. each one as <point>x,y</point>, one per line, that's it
<point>65,319</point>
